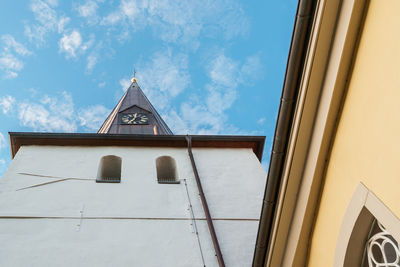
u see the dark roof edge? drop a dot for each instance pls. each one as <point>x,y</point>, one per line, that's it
<point>157,115</point>
<point>17,139</point>
<point>115,109</point>
<point>297,53</point>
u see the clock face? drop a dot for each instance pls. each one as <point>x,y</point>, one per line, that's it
<point>134,118</point>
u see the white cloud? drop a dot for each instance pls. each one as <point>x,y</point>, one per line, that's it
<point>251,69</point>
<point>70,44</point>
<point>164,77</point>
<point>10,65</point>
<point>261,121</point>
<point>33,92</point>
<point>51,115</point>
<point>91,62</point>
<point>180,21</point>
<point>112,19</point>
<point>92,117</point>
<point>89,43</point>
<point>44,13</point>
<point>3,142</point>
<point>10,74</point>
<point>200,120</point>
<point>9,62</point>
<point>127,13</point>
<point>129,8</point>
<point>207,115</point>
<point>233,20</point>
<point>94,55</point>
<point>226,75</point>
<point>54,114</point>
<point>6,103</point>
<point>102,84</point>
<point>11,44</point>
<point>220,98</point>
<point>223,70</point>
<point>88,9</point>
<point>52,2</point>
<point>125,83</point>
<point>47,20</point>
<point>62,22</point>
<point>225,78</point>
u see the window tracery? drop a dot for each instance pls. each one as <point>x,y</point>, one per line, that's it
<point>381,249</point>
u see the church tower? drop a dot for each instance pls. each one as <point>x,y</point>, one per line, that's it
<point>132,194</point>
<point>134,114</point>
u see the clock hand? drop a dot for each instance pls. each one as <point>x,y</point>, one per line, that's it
<point>134,117</point>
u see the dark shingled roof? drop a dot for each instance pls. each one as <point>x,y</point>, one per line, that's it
<point>134,101</point>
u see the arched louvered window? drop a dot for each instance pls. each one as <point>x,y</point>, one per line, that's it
<point>166,170</point>
<point>109,169</point>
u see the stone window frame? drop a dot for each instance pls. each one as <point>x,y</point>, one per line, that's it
<point>363,208</point>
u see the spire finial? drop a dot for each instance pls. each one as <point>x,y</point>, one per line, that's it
<point>134,80</point>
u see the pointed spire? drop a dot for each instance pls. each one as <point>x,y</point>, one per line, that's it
<point>134,114</point>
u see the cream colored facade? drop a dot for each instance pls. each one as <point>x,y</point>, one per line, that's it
<point>342,151</point>
<point>366,146</point>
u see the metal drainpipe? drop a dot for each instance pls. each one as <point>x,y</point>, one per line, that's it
<point>298,50</point>
<point>204,204</point>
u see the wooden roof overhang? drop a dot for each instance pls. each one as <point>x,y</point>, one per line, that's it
<point>18,139</point>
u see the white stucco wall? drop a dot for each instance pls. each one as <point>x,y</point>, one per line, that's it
<point>137,222</point>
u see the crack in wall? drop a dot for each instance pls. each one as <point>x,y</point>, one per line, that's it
<point>60,179</point>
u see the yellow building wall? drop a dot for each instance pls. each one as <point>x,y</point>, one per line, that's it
<point>367,144</point>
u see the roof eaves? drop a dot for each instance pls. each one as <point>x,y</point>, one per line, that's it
<point>18,139</point>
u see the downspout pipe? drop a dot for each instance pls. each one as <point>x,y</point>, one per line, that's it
<point>295,64</point>
<point>205,205</point>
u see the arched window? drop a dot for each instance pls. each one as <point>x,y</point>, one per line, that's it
<point>166,170</point>
<point>370,233</point>
<point>109,170</point>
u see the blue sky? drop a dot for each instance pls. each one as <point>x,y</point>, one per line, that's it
<point>209,67</point>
